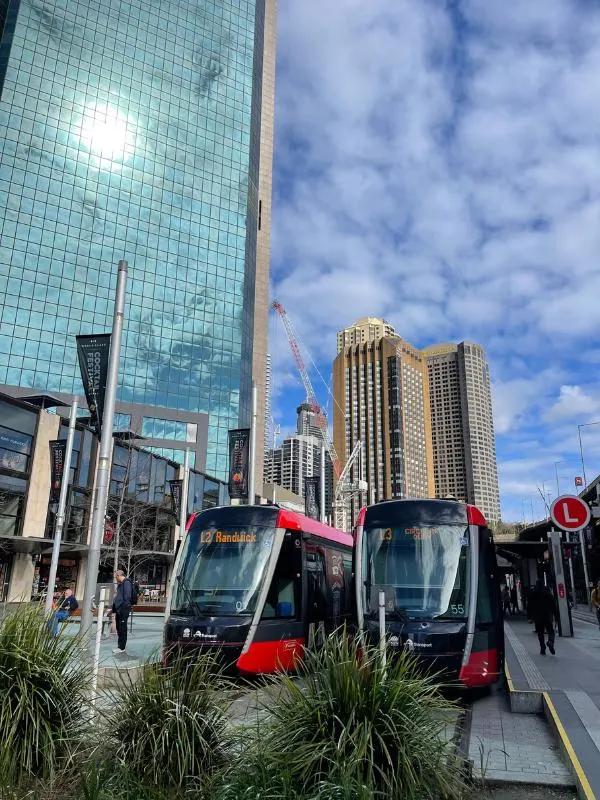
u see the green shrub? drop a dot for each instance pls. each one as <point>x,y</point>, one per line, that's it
<point>44,687</point>
<point>347,730</point>
<point>168,729</point>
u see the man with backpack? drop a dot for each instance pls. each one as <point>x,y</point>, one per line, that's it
<point>125,599</point>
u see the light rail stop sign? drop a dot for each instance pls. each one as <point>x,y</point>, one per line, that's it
<point>570,513</point>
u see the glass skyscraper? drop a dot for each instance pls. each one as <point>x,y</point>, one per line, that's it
<point>134,129</point>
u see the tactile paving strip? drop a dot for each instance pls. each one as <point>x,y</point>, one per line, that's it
<point>535,679</point>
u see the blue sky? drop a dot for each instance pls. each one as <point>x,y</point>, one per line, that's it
<point>438,164</point>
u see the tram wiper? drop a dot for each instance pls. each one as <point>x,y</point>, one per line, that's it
<point>191,602</point>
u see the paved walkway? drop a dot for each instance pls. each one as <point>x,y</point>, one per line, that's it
<point>568,687</point>
<point>144,642</point>
<point>514,748</point>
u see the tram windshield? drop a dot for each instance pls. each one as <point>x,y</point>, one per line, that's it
<point>423,570</point>
<point>221,570</point>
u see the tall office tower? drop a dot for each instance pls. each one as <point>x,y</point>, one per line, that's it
<point>366,329</point>
<point>139,131</point>
<point>464,449</point>
<point>381,390</point>
<point>261,361</point>
<point>268,422</point>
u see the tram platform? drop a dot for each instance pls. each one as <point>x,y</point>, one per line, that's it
<point>565,688</point>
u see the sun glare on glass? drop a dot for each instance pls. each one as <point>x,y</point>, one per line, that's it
<point>107,133</point>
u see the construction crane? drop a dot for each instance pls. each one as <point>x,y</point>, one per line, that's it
<point>311,398</point>
<point>345,489</point>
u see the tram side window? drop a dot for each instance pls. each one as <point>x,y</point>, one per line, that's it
<point>283,598</point>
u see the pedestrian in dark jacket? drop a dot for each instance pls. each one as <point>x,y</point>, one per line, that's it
<point>542,610</point>
<point>514,602</point>
<point>121,608</point>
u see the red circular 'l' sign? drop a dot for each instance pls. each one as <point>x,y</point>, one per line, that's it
<point>570,513</point>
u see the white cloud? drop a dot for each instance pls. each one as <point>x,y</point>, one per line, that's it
<point>573,403</point>
<point>438,164</point>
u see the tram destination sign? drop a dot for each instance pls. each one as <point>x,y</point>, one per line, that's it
<point>570,513</point>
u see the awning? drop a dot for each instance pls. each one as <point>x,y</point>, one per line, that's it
<point>38,545</point>
<point>514,551</point>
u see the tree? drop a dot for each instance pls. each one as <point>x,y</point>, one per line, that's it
<point>506,530</point>
<point>136,524</point>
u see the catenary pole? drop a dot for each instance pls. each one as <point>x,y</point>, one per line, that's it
<point>104,458</point>
<point>62,504</point>
<point>322,482</point>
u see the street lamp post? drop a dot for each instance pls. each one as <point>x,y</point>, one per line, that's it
<point>556,463</point>
<point>579,427</point>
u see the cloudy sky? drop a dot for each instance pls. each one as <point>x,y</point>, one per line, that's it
<point>438,164</point>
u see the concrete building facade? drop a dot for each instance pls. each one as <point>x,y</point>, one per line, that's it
<point>464,448</point>
<point>366,329</point>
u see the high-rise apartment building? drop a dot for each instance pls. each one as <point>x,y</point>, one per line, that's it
<point>307,421</point>
<point>464,450</point>
<point>381,389</point>
<point>299,457</point>
<point>140,131</point>
<point>366,329</point>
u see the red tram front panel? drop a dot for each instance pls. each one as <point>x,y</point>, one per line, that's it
<point>242,586</point>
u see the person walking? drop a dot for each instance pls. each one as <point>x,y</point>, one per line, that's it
<point>514,602</point>
<point>543,612</point>
<point>506,600</point>
<point>596,601</point>
<point>121,608</point>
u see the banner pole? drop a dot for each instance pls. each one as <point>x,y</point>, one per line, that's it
<point>322,498</point>
<point>62,504</point>
<point>104,458</point>
<point>183,505</point>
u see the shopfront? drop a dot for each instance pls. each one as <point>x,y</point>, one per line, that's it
<point>66,575</point>
<point>17,431</point>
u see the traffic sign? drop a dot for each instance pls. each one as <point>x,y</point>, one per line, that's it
<point>570,513</point>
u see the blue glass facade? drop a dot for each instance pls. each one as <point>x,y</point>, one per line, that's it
<point>130,129</point>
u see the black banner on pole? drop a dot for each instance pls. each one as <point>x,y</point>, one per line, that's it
<point>93,353</point>
<point>312,499</point>
<point>58,451</point>
<point>239,462</point>
<point>176,490</point>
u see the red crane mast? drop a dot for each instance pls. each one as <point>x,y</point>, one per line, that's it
<point>308,388</point>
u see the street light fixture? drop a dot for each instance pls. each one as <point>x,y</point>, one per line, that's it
<point>579,427</point>
<point>556,463</point>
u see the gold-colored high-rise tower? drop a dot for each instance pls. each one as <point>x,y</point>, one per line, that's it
<point>381,390</point>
